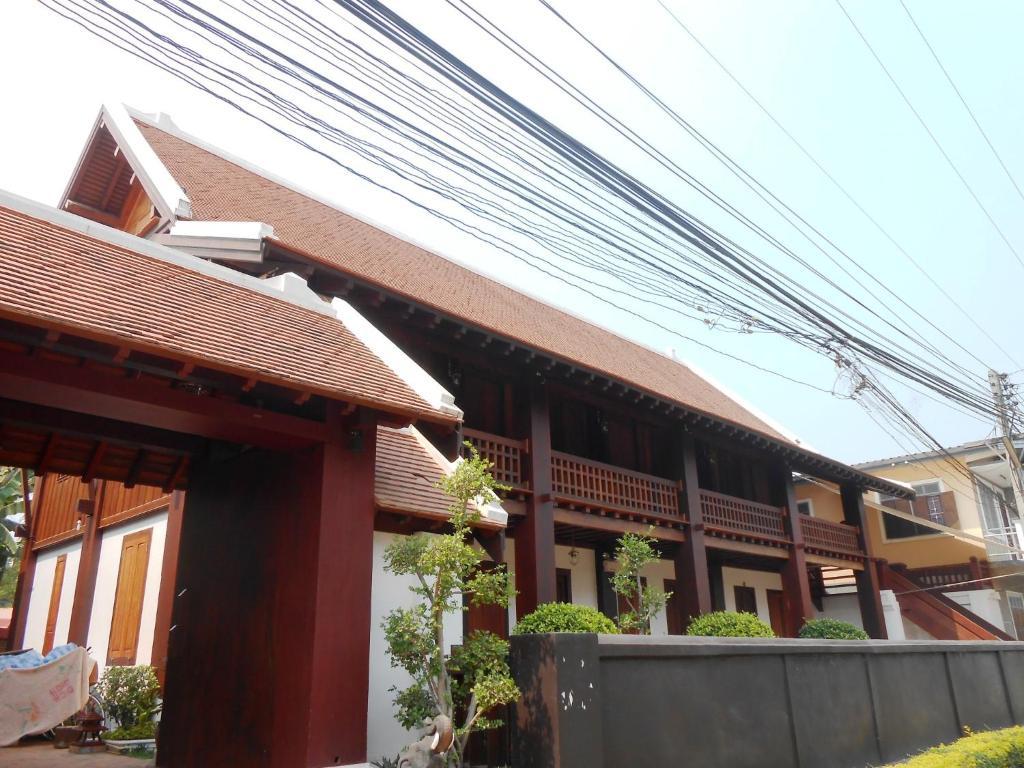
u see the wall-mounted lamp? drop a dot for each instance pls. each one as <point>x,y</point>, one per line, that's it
<point>574,556</point>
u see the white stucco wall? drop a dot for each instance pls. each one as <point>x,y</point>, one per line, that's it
<point>384,736</point>
<point>42,588</point>
<point>843,608</point>
<point>106,587</point>
<point>761,581</point>
<point>984,603</point>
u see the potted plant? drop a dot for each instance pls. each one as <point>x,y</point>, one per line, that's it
<point>130,697</point>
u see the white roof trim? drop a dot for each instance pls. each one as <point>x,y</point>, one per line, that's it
<point>167,195</point>
<point>492,511</point>
<point>229,240</point>
<point>421,382</point>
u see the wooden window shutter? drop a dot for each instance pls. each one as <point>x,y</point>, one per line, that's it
<point>51,617</point>
<point>131,588</point>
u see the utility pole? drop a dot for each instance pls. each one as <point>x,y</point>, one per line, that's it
<point>997,381</point>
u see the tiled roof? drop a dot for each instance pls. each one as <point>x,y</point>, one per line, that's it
<point>406,473</point>
<point>56,276</point>
<point>220,189</point>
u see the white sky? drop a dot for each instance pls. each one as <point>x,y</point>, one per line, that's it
<point>800,57</point>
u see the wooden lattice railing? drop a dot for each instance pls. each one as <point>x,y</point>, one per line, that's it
<point>507,456</point>
<point>732,515</point>
<point>614,488</point>
<point>830,537</point>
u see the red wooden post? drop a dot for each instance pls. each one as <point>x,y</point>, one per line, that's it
<point>26,569</point>
<point>693,584</point>
<point>168,572</point>
<point>535,536</point>
<point>868,585</point>
<point>796,593</point>
<point>88,565</point>
<point>268,662</point>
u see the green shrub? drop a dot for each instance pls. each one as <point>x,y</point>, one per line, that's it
<point>831,629</point>
<point>129,695</point>
<point>728,624</point>
<point>565,617</point>
<point>992,749</point>
<point>145,730</point>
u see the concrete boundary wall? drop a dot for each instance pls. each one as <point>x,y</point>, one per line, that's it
<point>610,701</point>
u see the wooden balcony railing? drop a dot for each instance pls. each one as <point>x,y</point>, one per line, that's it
<point>829,537</point>
<point>507,456</point>
<point>576,479</point>
<point>728,514</point>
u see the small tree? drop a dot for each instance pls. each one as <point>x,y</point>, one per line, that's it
<point>633,552</point>
<point>475,679</point>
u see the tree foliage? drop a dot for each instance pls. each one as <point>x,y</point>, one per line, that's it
<point>474,680</point>
<point>12,505</point>
<point>633,552</point>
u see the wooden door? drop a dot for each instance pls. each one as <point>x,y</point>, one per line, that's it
<point>51,616</point>
<point>777,612</point>
<point>675,624</point>
<point>131,589</point>
<point>746,600</point>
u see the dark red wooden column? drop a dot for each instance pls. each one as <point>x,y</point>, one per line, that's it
<point>88,565</point>
<point>26,568</point>
<point>535,536</point>
<point>168,573</point>
<point>796,584</point>
<point>693,584</point>
<point>868,586</point>
<point>268,661</point>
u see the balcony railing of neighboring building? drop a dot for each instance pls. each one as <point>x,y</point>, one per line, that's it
<point>831,538</point>
<point>576,480</point>
<point>740,518</point>
<point>953,578</point>
<point>506,454</point>
<point>1007,536</point>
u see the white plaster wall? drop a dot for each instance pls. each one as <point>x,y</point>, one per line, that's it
<point>894,626</point>
<point>843,608</point>
<point>106,587</point>
<point>384,736</point>
<point>42,587</point>
<point>984,603</point>
<point>761,581</point>
<point>584,575</point>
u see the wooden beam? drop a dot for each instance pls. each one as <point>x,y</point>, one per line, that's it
<point>88,568</point>
<point>136,467</point>
<point>868,586</point>
<point>112,184</point>
<point>691,561</point>
<point>46,455</point>
<point>614,525</point>
<point>88,212</point>
<point>141,402</point>
<point>176,475</point>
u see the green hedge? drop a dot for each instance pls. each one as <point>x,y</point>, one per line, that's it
<point>992,749</point>
<point>565,617</point>
<point>728,624</point>
<point>831,629</point>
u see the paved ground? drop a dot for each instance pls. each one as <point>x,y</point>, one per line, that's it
<point>43,755</point>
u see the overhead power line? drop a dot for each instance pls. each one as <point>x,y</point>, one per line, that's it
<point>605,226</point>
<point>932,136</point>
<point>838,185</point>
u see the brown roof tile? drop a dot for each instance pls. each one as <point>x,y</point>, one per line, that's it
<point>58,277</point>
<point>222,190</point>
<point>406,475</point>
